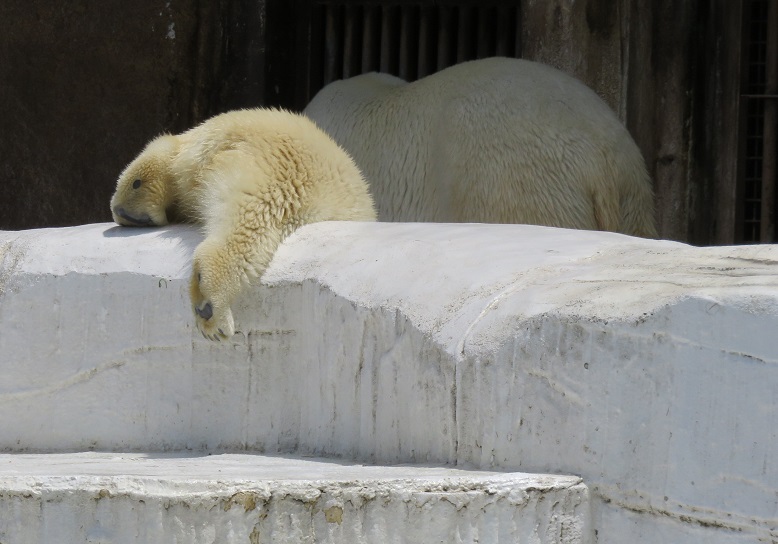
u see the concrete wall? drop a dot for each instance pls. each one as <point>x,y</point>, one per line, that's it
<point>645,367</point>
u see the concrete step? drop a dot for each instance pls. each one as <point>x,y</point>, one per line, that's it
<point>111,498</point>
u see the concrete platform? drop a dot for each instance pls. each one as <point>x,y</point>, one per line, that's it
<point>122,498</point>
<point>649,368</point>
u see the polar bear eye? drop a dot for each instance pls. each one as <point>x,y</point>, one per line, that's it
<point>136,183</point>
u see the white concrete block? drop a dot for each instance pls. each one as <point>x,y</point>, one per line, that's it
<point>120,498</point>
<point>647,367</point>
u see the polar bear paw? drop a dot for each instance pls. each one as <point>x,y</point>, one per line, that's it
<point>209,290</point>
<point>213,322</point>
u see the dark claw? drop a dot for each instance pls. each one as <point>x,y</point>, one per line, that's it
<point>207,311</point>
<point>222,332</point>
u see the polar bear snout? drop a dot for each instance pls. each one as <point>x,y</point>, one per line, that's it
<point>206,312</point>
<point>142,220</point>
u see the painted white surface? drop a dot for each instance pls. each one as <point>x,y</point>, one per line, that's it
<point>117,499</point>
<point>649,368</point>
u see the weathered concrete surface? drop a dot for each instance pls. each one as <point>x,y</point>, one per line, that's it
<point>646,367</point>
<point>75,498</point>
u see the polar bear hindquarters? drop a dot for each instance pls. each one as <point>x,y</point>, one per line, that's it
<point>493,140</point>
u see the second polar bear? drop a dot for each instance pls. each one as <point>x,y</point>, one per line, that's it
<point>251,177</point>
<point>495,140</point>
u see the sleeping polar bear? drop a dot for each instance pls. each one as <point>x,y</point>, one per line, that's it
<point>495,140</point>
<point>251,177</point>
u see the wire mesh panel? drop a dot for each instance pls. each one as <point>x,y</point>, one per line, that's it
<point>760,97</point>
<point>407,39</point>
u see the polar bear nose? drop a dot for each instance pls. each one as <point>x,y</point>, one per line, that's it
<point>141,220</point>
<point>206,312</point>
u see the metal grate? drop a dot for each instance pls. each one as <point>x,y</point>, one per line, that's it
<point>760,96</point>
<point>407,39</point>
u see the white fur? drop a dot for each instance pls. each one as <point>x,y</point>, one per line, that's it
<point>495,140</point>
<point>250,177</point>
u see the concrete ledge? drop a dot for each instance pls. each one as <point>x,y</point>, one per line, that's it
<point>647,367</point>
<point>246,498</point>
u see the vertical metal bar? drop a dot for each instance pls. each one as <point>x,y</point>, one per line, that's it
<point>370,34</point>
<point>465,34</point>
<point>518,33</point>
<point>445,42</point>
<point>770,134</point>
<point>485,32</point>
<point>351,50</point>
<point>332,58</point>
<point>425,62</point>
<point>316,53</point>
<point>406,46</point>
<point>386,39</point>
<point>503,29</point>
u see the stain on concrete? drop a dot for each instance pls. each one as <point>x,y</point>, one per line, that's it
<point>334,514</point>
<point>245,499</point>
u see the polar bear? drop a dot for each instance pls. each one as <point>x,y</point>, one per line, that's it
<point>495,140</point>
<point>250,177</point>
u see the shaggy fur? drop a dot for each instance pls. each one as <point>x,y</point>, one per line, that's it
<point>251,178</point>
<point>495,140</point>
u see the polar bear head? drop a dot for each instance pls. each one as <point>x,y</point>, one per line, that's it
<point>144,190</point>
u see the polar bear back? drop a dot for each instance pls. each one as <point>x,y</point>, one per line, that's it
<point>496,140</point>
<point>273,152</point>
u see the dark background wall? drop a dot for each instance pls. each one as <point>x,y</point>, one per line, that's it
<point>85,84</point>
